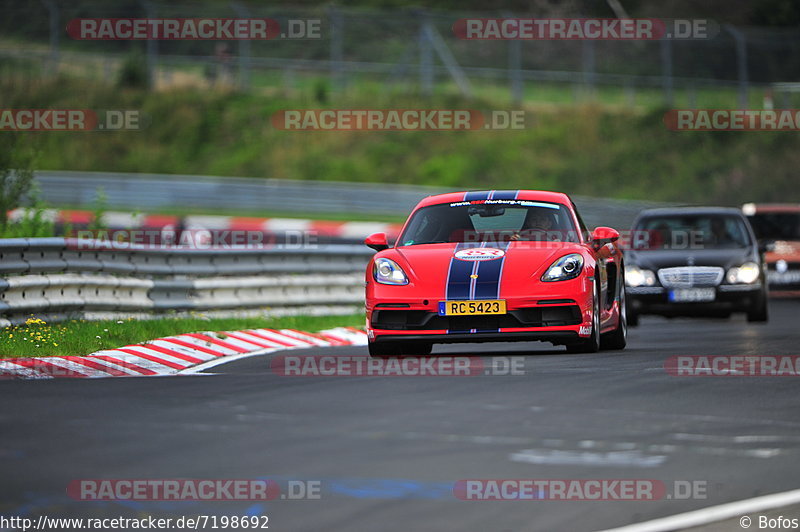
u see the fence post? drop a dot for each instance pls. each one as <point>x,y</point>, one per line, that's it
<point>741,63</point>
<point>244,50</point>
<point>514,66</point>
<point>55,32</point>
<point>337,48</point>
<point>151,45</point>
<point>692,96</point>
<point>425,56</point>
<point>666,70</point>
<point>588,56</point>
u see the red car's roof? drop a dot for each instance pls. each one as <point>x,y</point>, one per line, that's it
<point>773,207</point>
<point>532,195</point>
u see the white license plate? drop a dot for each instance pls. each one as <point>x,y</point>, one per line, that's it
<point>783,278</point>
<point>693,295</point>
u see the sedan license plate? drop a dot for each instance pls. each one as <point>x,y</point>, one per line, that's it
<point>692,295</point>
<point>472,308</point>
<point>783,277</point>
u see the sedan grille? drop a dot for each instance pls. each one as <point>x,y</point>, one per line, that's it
<point>690,276</point>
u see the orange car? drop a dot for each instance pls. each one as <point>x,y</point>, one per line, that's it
<point>777,227</point>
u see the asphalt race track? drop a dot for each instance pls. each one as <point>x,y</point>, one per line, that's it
<point>388,450</point>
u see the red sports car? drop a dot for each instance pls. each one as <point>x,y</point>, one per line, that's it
<point>497,265</point>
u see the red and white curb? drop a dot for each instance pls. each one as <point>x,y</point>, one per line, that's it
<point>165,222</point>
<point>181,354</point>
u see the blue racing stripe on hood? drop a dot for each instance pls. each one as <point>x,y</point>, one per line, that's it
<point>477,195</point>
<point>505,194</point>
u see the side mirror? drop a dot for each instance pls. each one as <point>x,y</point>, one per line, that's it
<point>602,235</point>
<point>766,247</point>
<point>377,241</point>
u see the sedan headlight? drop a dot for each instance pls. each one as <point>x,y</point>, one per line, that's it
<point>635,276</point>
<point>387,271</point>
<point>565,268</point>
<point>747,273</point>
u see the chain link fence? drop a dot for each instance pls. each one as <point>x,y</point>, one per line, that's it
<point>402,49</point>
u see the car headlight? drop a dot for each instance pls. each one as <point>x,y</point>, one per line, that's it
<point>567,267</point>
<point>747,273</point>
<point>387,271</point>
<point>635,276</point>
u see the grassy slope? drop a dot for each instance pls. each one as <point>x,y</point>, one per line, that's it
<point>581,149</point>
<point>83,337</point>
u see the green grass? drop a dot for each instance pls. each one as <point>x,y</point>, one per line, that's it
<point>84,337</point>
<point>596,149</point>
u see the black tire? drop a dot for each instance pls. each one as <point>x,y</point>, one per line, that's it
<point>591,344</point>
<point>618,338</point>
<point>760,311</point>
<point>633,318</point>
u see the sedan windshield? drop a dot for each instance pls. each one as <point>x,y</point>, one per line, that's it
<point>690,231</point>
<point>776,226</point>
<point>501,221</point>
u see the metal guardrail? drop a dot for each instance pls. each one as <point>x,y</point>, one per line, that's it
<point>66,278</point>
<point>63,278</point>
<point>159,191</point>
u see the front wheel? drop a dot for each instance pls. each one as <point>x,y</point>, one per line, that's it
<point>618,338</point>
<point>760,311</point>
<point>591,344</point>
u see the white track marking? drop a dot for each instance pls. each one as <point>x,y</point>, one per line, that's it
<point>713,514</point>
<point>587,458</point>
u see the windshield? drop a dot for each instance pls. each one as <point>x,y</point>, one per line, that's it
<point>691,232</point>
<point>776,225</point>
<point>500,221</point>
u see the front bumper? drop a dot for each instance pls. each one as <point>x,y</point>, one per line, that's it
<point>554,312</point>
<point>555,336</point>
<point>728,298</point>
